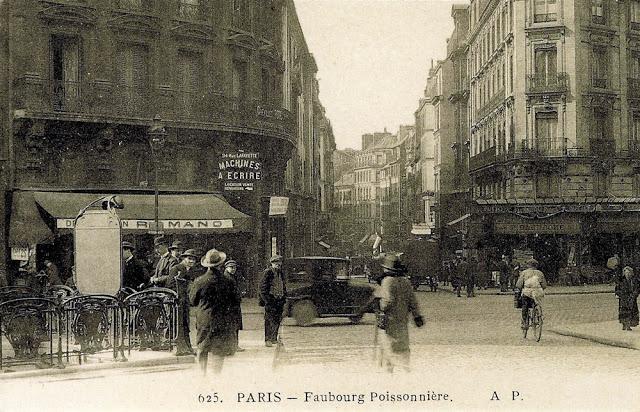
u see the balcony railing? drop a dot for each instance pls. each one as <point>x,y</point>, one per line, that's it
<point>192,10</point>
<point>546,83</point>
<point>66,96</point>
<point>634,87</point>
<point>545,17</point>
<point>491,104</point>
<point>599,83</point>
<point>598,19</point>
<point>483,159</point>
<point>634,25</point>
<point>131,101</point>
<point>189,103</point>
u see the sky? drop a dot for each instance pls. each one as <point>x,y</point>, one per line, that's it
<point>373,59</point>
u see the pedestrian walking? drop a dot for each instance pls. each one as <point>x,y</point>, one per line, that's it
<point>133,273</point>
<point>231,271</point>
<point>462,268</point>
<point>627,291</point>
<point>506,273</point>
<point>180,277</point>
<point>397,301</point>
<point>273,293</point>
<point>216,299</point>
<point>165,263</point>
<point>470,277</point>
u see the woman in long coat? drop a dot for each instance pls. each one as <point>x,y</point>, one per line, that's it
<point>397,301</point>
<point>627,290</point>
<point>216,298</point>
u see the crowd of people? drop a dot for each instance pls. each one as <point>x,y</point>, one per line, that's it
<point>467,274</point>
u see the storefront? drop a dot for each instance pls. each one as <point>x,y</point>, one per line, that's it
<point>41,224</point>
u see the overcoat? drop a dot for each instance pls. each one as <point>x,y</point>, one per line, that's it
<point>627,291</point>
<point>133,274</point>
<point>397,301</point>
<point>216,299</point>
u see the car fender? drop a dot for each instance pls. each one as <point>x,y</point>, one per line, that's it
<point>291,300</point>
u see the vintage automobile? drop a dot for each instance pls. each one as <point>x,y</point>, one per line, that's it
<point>322,287</point>
<point>423,262</point>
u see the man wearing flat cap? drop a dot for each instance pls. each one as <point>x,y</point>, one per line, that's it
<point>273,294</point>
<point>179,278</point>
<point>216,298</point>
<point>231,271</point>
<point>133,274</point>
<point>165,263</point>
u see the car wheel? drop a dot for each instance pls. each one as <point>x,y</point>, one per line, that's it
<point>304,312</point>
<point>355,319</point>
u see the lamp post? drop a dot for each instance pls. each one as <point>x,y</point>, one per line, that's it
<point>157,135</point>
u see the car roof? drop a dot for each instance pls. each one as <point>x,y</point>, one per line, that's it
<point>317,258</point>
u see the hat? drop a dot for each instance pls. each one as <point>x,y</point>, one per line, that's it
<point>213,258</point>
<point>392,264</point>
<point>190,253</point>
<point>532,263</point>
<point>160,241</point>
<point>177,244</point>
<point>275,258</point>
<point>230,262</point>
<point>128,245</point>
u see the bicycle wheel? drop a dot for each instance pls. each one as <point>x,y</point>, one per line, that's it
<point>525,327</point>
<point>537,321</point>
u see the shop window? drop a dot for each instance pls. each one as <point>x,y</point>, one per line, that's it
<point>599,69</point>
<point>597,11</point>
<point>65,73</point>
<point>544,11</point>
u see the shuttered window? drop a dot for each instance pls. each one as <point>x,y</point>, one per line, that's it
<point>133,77</point>
<point>65,72</point>
<point>189,80</point>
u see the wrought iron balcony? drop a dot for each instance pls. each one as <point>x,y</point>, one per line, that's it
<point>540,148</point>
<point>131,100</point>
<point>547,83</point>
<point>491,104</point>
<point>545,17</point>
<point>483,159</point>
<point>66,96</point>
<point>634,87</point>
<point>598,19</point>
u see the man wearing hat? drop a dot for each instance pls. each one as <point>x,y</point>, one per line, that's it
<point>166,261</point>
<point>179,278</point>
<point>273,294</point>
<point>216,298</point>
<point>531,284</point>
<point>231,271</point>
<point>133,273</point>
<point>397,302</point>
<point>176,249</point>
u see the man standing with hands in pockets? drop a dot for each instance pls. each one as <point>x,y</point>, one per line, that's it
<point>273,293</point>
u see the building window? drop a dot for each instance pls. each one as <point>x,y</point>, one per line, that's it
<point>544,11</point>
<point>189,80</point>
<point>545,67</point>
<point>133,77</point>
<point>546,133</point>
<point>634,144</point>
<point>268,86</point>
<point>191,9</point>
<point>599,72</point>
<point>601,184</point>
<point>65,73</point>
<point>597,11</point>
<point>239,81</point>
<point>634,15</point>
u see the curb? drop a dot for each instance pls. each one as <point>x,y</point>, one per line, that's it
<point>175,360</point>
<point>551,293</point>
<point>596,339</point>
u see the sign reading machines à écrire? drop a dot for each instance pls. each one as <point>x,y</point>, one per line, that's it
<point>239,170</point>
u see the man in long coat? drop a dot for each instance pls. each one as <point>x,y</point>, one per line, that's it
<point>273,293</point>
<point>133,274</point>
<point>165,263</point>
<point>179,278</point>
<point>216,299</point>
<point>397,301</point>
<point>231,271</point>
<point>627,291</point>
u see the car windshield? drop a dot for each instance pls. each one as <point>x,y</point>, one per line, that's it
<point>319,269</point>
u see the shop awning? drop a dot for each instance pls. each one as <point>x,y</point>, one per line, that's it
<point>26,226</point>
<point>197,213</point>
<point>458,220</point>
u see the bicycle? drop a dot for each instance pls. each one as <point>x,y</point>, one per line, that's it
<point>534,320</point>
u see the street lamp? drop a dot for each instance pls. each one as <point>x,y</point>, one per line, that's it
<point>157,135</point>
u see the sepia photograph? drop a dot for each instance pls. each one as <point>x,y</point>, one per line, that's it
<point>319,205</point>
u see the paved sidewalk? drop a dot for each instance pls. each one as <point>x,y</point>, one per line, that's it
<point>551,290</point>
<point>251,339</point>
<point>607,333</point>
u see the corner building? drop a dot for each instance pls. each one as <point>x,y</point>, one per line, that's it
<point>80,83</point>
<point>553,116</point>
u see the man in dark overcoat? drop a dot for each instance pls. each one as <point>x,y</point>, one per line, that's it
<point>273,293</point>
<point>133,274</point>
<point>216,299</point>
<point>231,271</point>
<point>180,277</point>
<point>462,269</point>
<point>166,261</point>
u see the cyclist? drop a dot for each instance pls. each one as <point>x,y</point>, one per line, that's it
<point>532,284</point>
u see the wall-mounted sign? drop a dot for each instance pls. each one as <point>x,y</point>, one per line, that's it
<point>141,224</point>
<point>239,170</point>
<point>20,253</point>
<point>278,205</point>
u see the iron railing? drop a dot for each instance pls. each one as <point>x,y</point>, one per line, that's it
<point>66,96</point>
<point>634,25</point>
<point>545,83</point>
<point>131,100</point>
<point>545,17</point>
<point>600,83</point>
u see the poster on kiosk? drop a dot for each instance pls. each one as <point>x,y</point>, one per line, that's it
<point>98,251</point>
